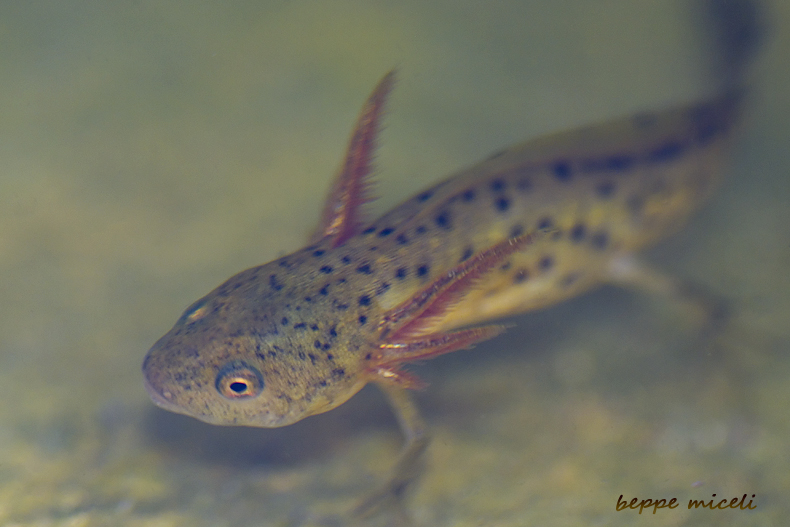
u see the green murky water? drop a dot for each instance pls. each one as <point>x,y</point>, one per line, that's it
<point>149,150</point>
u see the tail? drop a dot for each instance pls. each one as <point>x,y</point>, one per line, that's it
<point>736,30</point>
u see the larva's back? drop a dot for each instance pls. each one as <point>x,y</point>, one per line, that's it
<point>602,192</point>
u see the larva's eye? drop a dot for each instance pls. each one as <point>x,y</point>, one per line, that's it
<point>239,380</point>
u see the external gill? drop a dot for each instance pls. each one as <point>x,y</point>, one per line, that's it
<point>405,332</point>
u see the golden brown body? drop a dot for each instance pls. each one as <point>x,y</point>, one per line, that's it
<point>605,190</point>
<point>305,323</point>
<point>530,226</point>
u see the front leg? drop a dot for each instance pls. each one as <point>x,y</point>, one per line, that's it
<point>406,334</point>
<point>411,462</point>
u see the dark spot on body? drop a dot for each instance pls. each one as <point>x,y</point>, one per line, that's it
<point>333,331</point>
<point>368,356</point>
<point>421,229</point>
<point>364,300</point>
<point>362,320</point>
<point>301,355</point>
<point>300,325</point>
<point>666,152</point>
<point>327,346</point>
<point>422,270</point>
<point>324,290</point>
<point>346,260</point>
<point>402,239</point>
<point>506,266</point>
<point>314,327</point>
<point>308,299</point>
<point>329,356</point>
<point>522,275</point>
<point>443,220</point>
<point>502,204</point>
<point>577,233</point>
<point>339,306</point>
<point>317,254</point>
<point>284,321</point>
<point>605,189</point>
<point>284,263</point>
<point>620,163</point>
<point>497,185</point>
<point>369,230</point>
<point>274,283</point>
<point>317,344</point>
<point>545,223</point>
<point>364,269</point>
<point>425,196</point>
<point>468,252</point>
<point>312,358</point>
<point>401,273</point>
<point>546,263</point>
<point>326,269</point>
<point>468,195</point>
<point>562,171</point>
<point>386,231</point>
<point>373,248</point>
<point>382,288</point>
<point>338,372</point>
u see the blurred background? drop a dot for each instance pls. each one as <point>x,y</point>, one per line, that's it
<point>151,149</point>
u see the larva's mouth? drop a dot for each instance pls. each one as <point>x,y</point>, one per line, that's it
<point>161,398</point>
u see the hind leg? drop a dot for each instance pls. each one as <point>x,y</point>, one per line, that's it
<point>732,361</point>
<point>707,311</point>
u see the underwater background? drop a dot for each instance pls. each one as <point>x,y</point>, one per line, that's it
<point>151,149</point>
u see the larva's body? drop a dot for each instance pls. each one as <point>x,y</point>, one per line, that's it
<point>306,323</point>
<point>605,191</point>
<point>530,226</point>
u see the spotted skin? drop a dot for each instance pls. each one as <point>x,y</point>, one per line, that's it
<point>307,327</point>
<point>607,190</point>
<point>528,227</point>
